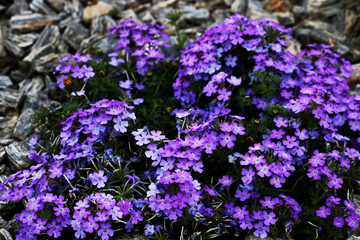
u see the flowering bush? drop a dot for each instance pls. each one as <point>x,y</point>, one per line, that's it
<point>242,138</point>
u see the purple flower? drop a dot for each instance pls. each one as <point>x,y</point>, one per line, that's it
<point>33,204</point>
<point>234,80</point>
<point>240,213</point>
<point>261,230</point>
<point>102,216</point>
<point>338,222</point>
<point>223,94</point>
<point>334,182</point>
<point>56,171</point>
<point>332,200</point>
<point>242,195</point>
<point>153,152</point>
<point>105,231</point>
<point>280,122</point>
<point>230,60</point>
<point>268,202</point>
<point>247,175</point>
<point>352,221</point>
<point>120,125</point>
<point>323,212</point>
<point>149,230</point>
<point>314,173</point>
<point>269,218</point>
<point>33,140</point>
<point>210,89</point>
<point>277,181</point>
<point>211,191</point>
<point>61,211</point>
<point>90,225</point>
<point>40,225</point>
<point>227,140</point>
<point>135,216</point>
<point>225,181</point>
<point>98,179</point>
<point>116,61</point>
<point>54,229</point>
<point>246,223</point>
<point>290,142</point>
<point>278,134</point>
<point>81,213</point>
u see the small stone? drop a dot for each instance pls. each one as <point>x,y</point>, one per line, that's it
<point>74,9</point>
<point>256,11</point>
<point>256,5</point>
<point>47,63</point>
<point>147,17</point>
<point>10,98</point>
<point>3,222</point>
<point>318,25</point>
<point>5,82</point>
<point>100,25</point>
<point>32,101</point>
<point>5,235</point>
<point>126,14</point>
<point>352,237</point>
<point>293,45</point>
<point>24,126</point>
<point>62,47</point>
<point>13,48</point>
<point>17,153</point>
<point>197,16</point>
<point>229,2</point>
<point>307,36</point>
<point>354,78</point>
<point>41,7</point>
<point>300,10</point>
<point>28,21</point>
<point>67,21</point>
<point>33,86</point>
<point>17,75</point>
<point>50,35</point>
<point>7,126</point>
<point>2,33</point>
<point>74,34</point>
<point>219,15</point>
<point>320,3</point>
<point>2,153</point>
<point>36,53</point>
<point>161,15</point>
<point>163,4</point>
<point>18,7</point>
<point>342,49</point>
<point>3,169</point>
<point>349,52</point>
<point>95,42</point>
<point>285,18</point>
<point>99,9</point>
<point>24,40</point>
<point>57,4</point>
<point>240,6</point>
<point>6,141</point>
<point>118,5</point>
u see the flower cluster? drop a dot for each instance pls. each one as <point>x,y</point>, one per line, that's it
<point>267,142</point>
<point>141,42</point>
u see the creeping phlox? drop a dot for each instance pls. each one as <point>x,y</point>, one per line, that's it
<point>267,143</point>
<point>142,42</point>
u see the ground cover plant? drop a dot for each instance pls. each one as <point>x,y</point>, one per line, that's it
<point>229,136</point>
